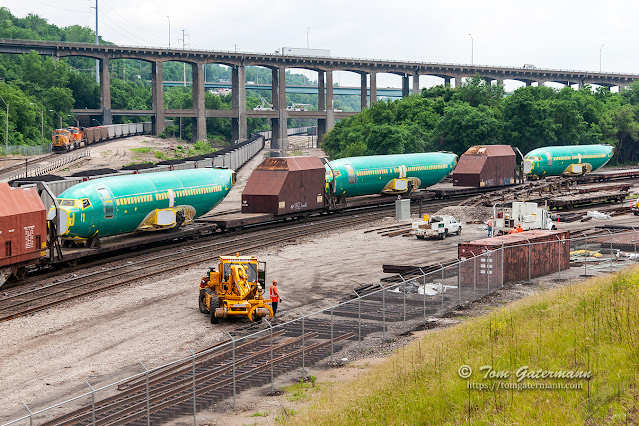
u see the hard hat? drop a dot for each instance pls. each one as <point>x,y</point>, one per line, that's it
<point>274,281</point>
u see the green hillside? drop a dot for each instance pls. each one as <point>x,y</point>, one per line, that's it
<point>590,327</point>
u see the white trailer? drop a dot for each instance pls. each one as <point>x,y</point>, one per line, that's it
<point>295,51</point>
<point>528,215</point>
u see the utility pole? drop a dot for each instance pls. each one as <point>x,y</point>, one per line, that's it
<point>6,129</point>
<point>183,47</point>
<point>97,42</point>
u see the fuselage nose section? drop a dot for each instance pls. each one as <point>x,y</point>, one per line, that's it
<point>528,166</point>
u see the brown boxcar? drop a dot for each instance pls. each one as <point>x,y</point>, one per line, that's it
<point>23,229</point>
<point>521,260</point>
<point>486,165</point>
<point>283,185</point>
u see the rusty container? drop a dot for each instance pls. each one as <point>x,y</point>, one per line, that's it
<point>486,165</point>
<point>23,225</point>
<point>526,255</point>
<point>284,185</point>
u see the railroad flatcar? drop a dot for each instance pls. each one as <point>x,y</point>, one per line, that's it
<point>387,174</point>
<point>142,202</point>
<point>573,160</point>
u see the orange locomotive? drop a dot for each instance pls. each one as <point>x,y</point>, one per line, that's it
<point>67,139</point>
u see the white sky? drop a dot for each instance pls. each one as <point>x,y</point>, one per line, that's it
<point>559,35</point>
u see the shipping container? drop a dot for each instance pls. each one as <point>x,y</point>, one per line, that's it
<point>486,165</point>
<point>23,228</point>
<point>283,185</point>
<point>526,255</point>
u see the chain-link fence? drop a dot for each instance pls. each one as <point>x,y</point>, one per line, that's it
<point>368,318</point>
<point>25,149</point>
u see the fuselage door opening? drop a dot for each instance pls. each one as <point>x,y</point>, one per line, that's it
<point>107,201</point>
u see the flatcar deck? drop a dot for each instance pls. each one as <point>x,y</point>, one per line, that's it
<point>116,243</point>
<point>608,175</point>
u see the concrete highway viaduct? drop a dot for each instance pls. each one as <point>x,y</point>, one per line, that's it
<point>324,66</point>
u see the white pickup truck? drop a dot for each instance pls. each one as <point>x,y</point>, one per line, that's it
<point>436,226</point>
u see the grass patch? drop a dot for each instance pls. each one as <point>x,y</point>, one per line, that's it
<point>190,150</point>
<point>302,390</point>
<point>589,327</point>
<point>141,150</point>
<point>258,414</point>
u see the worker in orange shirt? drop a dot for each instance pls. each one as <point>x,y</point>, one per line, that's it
<point>512,231</point>
<point>275,296</point>
<point>519,228</point>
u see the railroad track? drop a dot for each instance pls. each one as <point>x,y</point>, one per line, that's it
<point>20,302</point>
<point>21,165</point>
<point>211,375</point>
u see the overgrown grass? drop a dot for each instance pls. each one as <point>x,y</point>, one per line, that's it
<point>592,326</point>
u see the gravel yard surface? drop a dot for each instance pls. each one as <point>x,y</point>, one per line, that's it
<point>48,355</point>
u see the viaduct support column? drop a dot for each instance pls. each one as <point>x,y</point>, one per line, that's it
<point>373,88</point>
<point>330,110</point>
<point>363,91</point>
<point>239,125</point>
<point>446,81</point>
<point>416,84</point>
<point>105,91</point>
<point>157,98</point>
<point>275,122</point>
<point>199,122</point>
<point>405,90</point>
<point>458,80</point>
<point>280,137</point>
<point>321,106</point>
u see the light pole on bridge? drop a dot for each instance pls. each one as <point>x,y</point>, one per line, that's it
<point>600,57</point>
<point>167,16</point>
<point>472,50</point>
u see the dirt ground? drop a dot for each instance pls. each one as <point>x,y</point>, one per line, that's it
<point>47,356</point>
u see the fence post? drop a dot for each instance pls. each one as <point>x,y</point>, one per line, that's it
<point>92,402</point>
<point>383,312</point>
<point>359,322</point>
<point>303,346</point>
<point>610,232</point>
<point>489,258</point>
<point>424,292</point>
<point>474,276</point>
<point>458,282</point>
<point>559,241</point>
<point>529,260</point>
<point>586,256</point>
<point>332,352</point>
<point>30,413</point>
<point>271,329</point>
<point>442,284</point>
<point>148,399</point>
<point>404,301</point>
<point>233,340</point>
<point>502,264</point>
<point>194,394</point>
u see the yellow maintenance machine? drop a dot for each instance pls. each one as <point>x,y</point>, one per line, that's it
<point>234,288</point>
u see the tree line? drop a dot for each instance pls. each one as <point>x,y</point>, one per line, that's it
<point>477,113</point>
